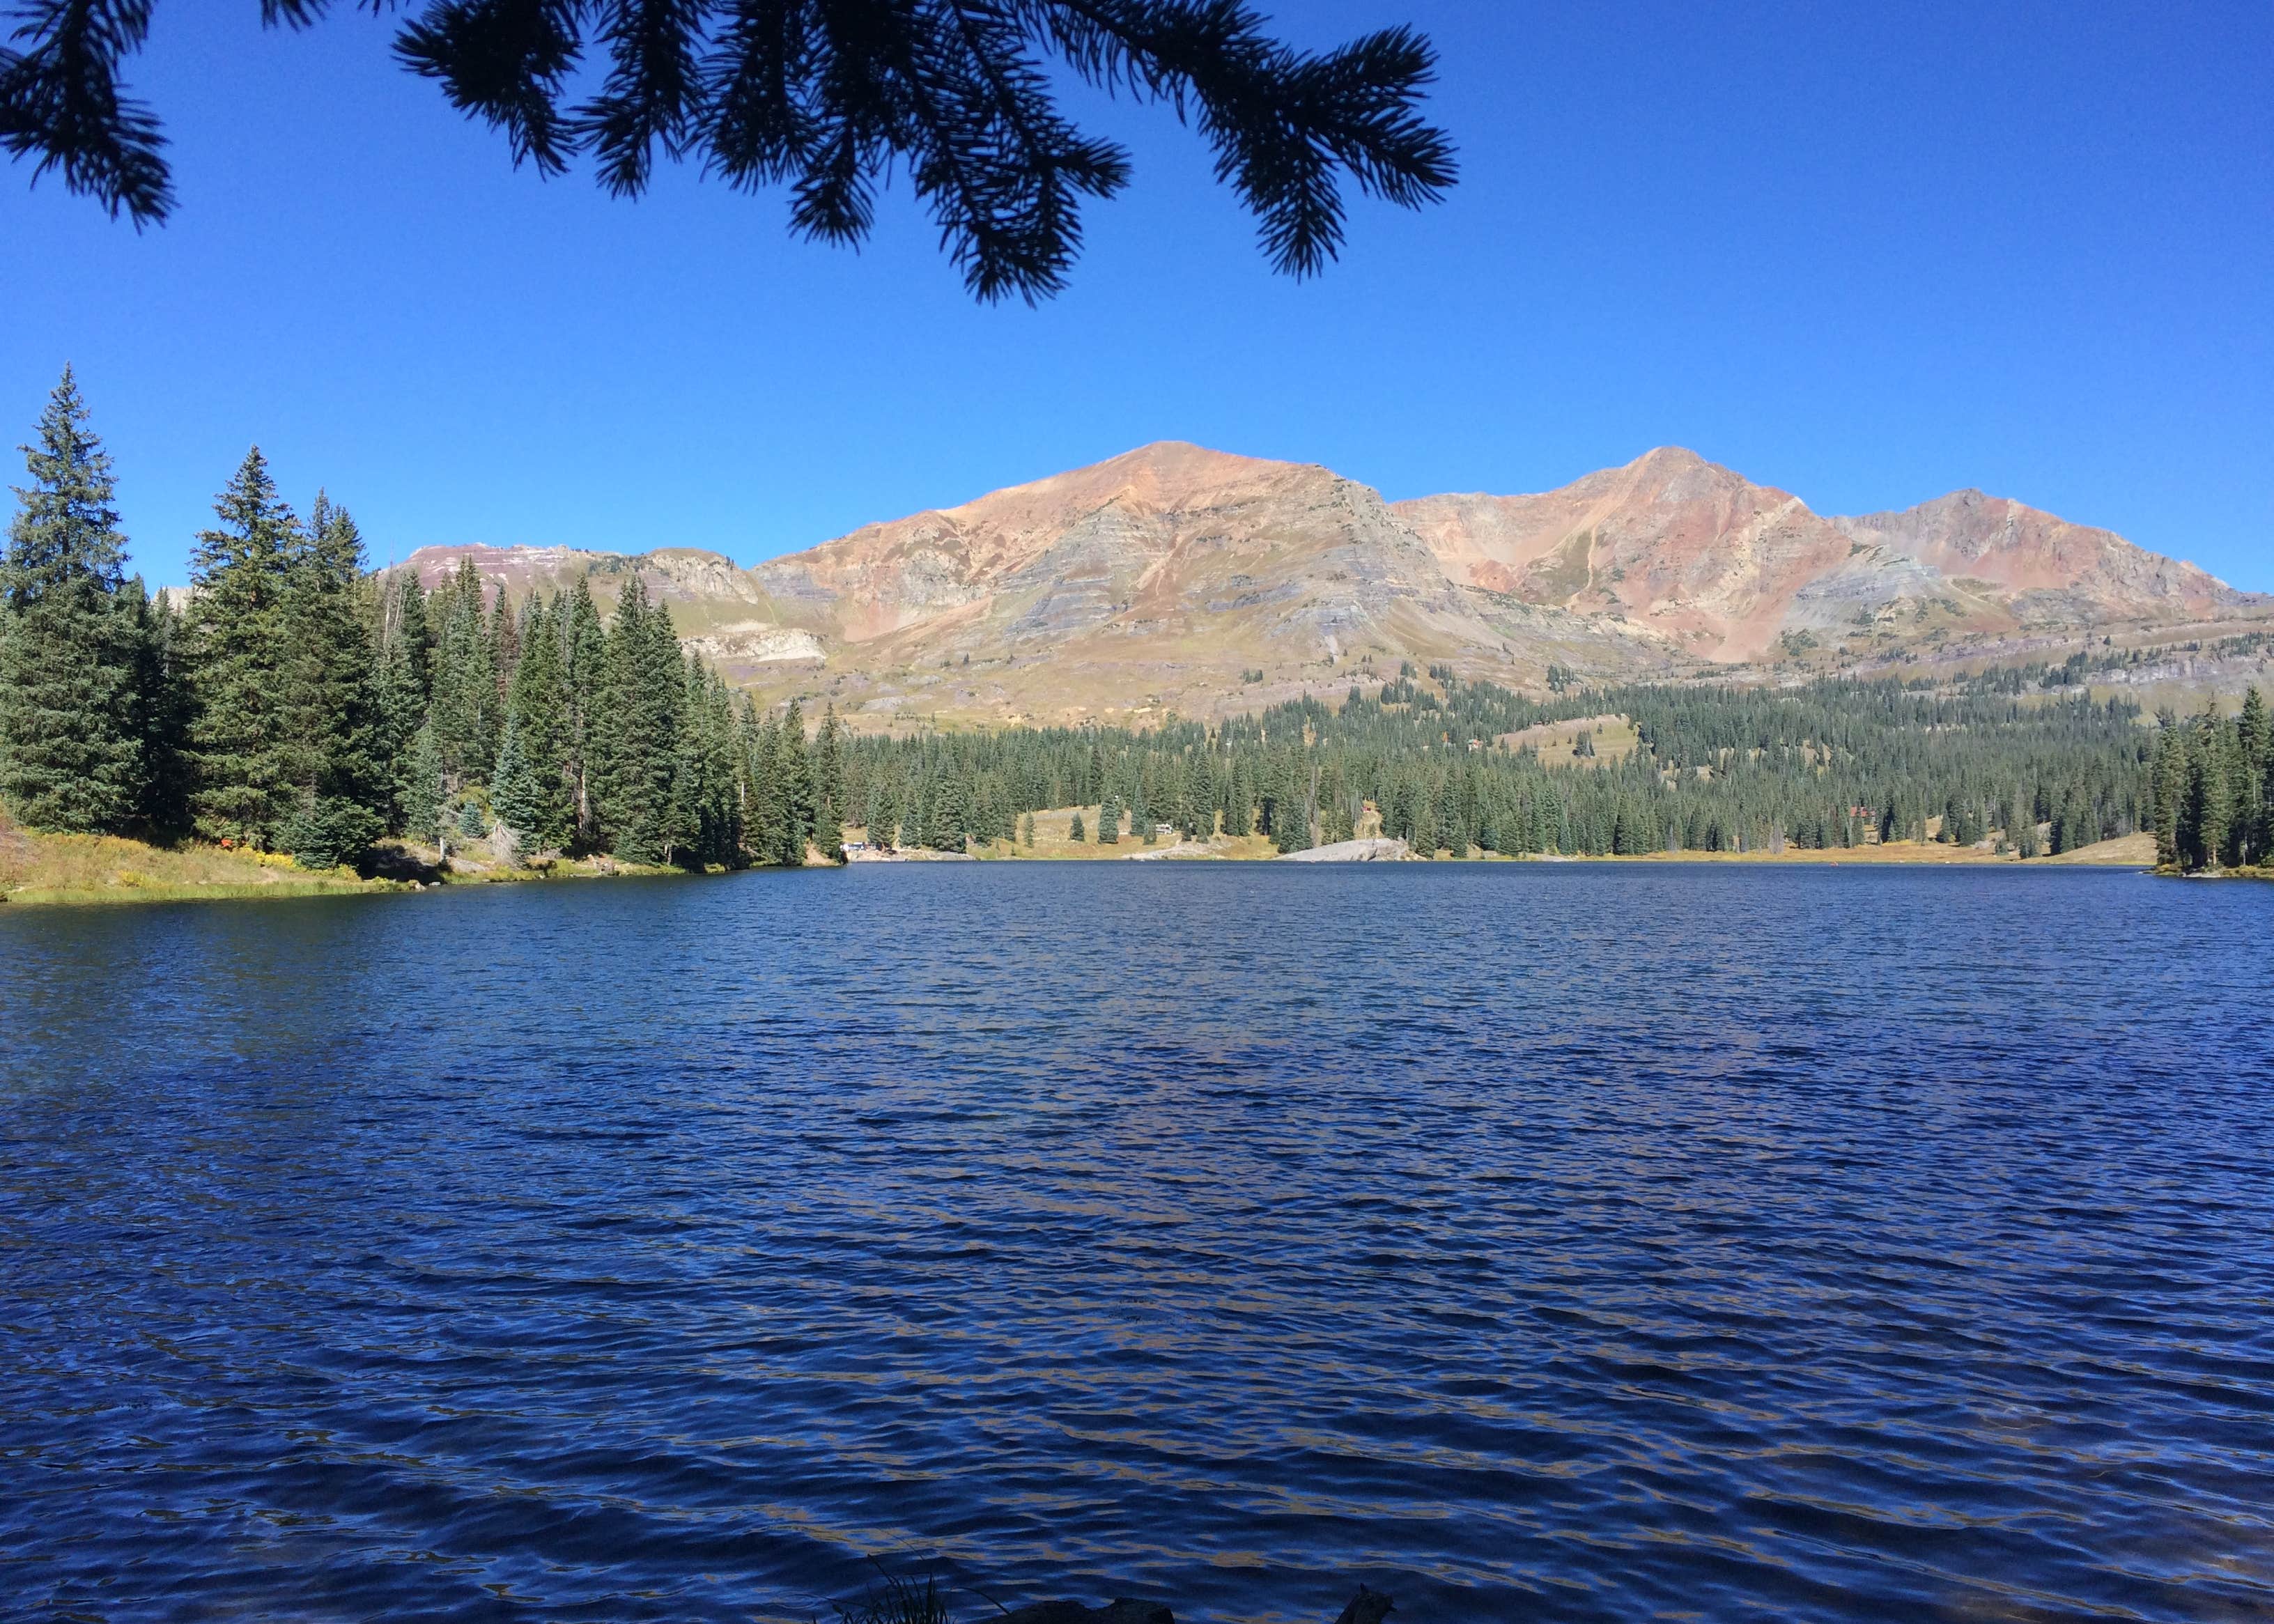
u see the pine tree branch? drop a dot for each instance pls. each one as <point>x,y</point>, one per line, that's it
<point>60,105</point>
<point>828,96</point>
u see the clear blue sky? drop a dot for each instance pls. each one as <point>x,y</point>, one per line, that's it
<point>1867,255</point>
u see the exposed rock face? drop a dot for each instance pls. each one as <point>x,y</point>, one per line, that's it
<point>1670,541</point>
<point>1373,850</point>
<point>1727,567</point>
<point>1177,566</point>
<point>2055,570</point>
<point>1174,578</point>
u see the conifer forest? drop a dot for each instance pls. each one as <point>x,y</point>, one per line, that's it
<point>298,702</point>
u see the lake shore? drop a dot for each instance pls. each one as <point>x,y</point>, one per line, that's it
<point>105,870</point>
<point>1052,844</point>
<point>75,870</point>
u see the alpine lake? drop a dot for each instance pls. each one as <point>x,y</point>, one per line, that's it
<point>1527,1241</point>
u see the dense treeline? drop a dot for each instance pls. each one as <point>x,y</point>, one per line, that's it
<point>299,704</point>
<point>2214,788</point>
<point>1834,763</point>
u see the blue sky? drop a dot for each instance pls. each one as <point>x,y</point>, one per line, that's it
<point>1869,255</point>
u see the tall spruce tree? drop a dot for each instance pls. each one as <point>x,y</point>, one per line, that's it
<point>541,808</point>
<point>794,777</point>
<point>2168,778</point>
<point>76,651</point>
<point>239,631</point>
<point>514,794</point>
<point>831,786</point>
<point>504,633</point>
<point>642,692</point>
<point>465,707</point>
<point>583,664</point>
<point>423,795</point>
<point>718,801</point>
<point>162,678</point>
<point>2254,747</point>
<point>947,811</point>
<point>761,794</point>
<point>400,689</point>
<point>331,716</point>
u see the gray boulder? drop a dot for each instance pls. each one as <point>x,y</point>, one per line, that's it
<point>1375,850</point>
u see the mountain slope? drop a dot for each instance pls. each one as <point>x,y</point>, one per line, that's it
<point>1174,577</point>
<point>1685,547</point>
<point>1155,579</point>
<point>2054,570</point>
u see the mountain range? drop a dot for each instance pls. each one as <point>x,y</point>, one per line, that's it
<point>1176,578</point>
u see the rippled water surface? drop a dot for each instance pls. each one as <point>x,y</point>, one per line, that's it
<point>1557,1242</point>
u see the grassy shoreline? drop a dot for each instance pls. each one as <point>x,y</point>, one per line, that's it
<point>69,870</point>
<point>107,870</point>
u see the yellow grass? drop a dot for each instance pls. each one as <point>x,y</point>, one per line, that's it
<point>44,869</point>
<point>1615,740</point>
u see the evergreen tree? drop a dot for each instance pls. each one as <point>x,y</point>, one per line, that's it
<point>400,689</point>
<point>831,785</point>
<point>830,774</point>
<point>242,759</point>
<point>764,815</point>
<point>504,635</point>
<point>2207,807</point>
<point>75,648</point>
<point>540,808</point>
<point>1074,831</point>
<point>2169,776</point>
<point>514,793</point>
<point>946,811</point>
<point>1291,814</point>
<point>794,789</point>
<point>2254,751</point>
<point>330,715</point>
<point>2021,826</point>
<point>583,661</point>
<point>637,735</point>
<point>465,707</point>
<point>162,680</point>
<point>1108,822</point>
<point>1239,801</point>
<point>422,795</point>
<point>707,819</point>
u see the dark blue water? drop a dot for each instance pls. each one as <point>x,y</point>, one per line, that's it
<point>1532,1242</point>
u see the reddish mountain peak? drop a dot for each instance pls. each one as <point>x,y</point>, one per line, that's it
<point>1677,474</point>
<point>1168,476</point>
<point>1669,460</point>
<point>1970,534</point>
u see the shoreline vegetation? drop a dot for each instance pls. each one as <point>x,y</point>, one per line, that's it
<point>77,869</point>
<point>299,723</point>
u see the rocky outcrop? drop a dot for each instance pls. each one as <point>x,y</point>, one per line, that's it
<point>1373,850</point>
<point>2053,569</point>
<point>1685,547</point>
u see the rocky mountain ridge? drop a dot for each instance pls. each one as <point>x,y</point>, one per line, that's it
<point>1174,577</point>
